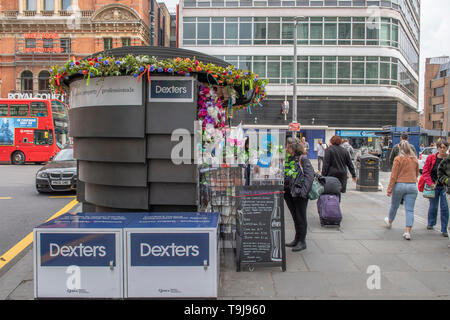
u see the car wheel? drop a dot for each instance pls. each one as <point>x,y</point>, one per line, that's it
<point>18,158</point>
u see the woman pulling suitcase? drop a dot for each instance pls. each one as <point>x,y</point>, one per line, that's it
<point>297,184</point>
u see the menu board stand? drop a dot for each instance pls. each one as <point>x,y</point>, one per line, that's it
<point>260,229</point>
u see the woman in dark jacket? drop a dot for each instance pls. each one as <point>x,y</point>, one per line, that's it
<point>297,184</point>
<point>336,161</point>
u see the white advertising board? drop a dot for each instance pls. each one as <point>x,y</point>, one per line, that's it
<point>109,91</point>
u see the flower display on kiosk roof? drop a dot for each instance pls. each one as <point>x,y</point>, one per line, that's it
<point>144,66</point>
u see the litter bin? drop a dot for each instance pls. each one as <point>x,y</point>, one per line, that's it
<point>368,169</point>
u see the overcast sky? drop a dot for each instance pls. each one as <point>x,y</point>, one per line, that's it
<point>435,32</point>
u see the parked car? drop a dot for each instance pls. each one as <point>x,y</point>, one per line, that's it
<point>58,175</point>
<point>424,155</point>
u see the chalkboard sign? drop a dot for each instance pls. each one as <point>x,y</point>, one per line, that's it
<point>260,227</point>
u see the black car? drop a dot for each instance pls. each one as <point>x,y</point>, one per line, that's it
<point>58,175</point>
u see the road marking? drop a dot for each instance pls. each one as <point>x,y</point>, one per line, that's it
<point>25,242</point>
<point>5,198</point>
<point>61,197</point>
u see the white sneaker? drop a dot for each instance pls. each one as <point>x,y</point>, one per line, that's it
<point>388,224</point>
<point>407,236</point>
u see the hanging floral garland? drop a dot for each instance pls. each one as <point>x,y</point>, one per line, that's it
<point>146,66</point>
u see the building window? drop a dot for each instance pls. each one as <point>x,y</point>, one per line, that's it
<point>65,45</point>
<point>49,5</point>
<point>438,108</point>
<point>30,43</point>
<point>439,91</point>
<point>26,80</point>
<point>126,42</point>
<point>47,43</point>
<point>107,43</point>
<point>43,81</point>
<point>443,73</point>
<point>31,5</point>
<point>65,4</point>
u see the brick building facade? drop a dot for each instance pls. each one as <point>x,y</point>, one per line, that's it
<point>436,95</point>
<point>35,34</point>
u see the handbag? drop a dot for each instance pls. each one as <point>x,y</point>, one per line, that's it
<point>428,192</point>
<point>316,189</point>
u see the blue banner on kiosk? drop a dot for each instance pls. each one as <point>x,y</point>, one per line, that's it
<point>169,249</point>
<point>80,249</point>
<point>171,89</point>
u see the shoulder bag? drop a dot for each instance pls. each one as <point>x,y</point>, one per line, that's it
<point>316,189</point>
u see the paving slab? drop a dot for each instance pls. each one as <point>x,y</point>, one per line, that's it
<point>408,284</point>
<point>255,284</point>
<point>438,282</point>
<point>302,284</point>
<point>386,262</point>
<point>329,262</point>
<point>427,261</point>
<point>389,246</point>
<point>341,246</point>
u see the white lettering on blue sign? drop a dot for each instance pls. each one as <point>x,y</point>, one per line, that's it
<point>169,251</point>
<point>172,89</point>
<point>77,251</point>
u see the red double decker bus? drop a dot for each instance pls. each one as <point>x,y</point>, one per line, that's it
<point>32,130</point>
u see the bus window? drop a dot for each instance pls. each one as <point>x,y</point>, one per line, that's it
<point>3,110</point>
<point>43,137</point>
<point>61,124</point>
<point>39,109</point>
<point>19,110</point>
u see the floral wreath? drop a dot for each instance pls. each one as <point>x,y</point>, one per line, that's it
<point>144,66</point>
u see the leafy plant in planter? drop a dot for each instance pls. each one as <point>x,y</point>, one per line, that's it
<point>246,88</point>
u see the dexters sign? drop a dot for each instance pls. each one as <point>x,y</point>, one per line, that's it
<point>169,249</point>
<point>171,89</point>
<point>80,249</point>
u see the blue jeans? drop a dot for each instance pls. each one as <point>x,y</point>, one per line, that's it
<point>433,210</point>
<point>409,192</point>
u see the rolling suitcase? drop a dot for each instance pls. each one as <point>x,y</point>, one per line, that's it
<point>329,210</point>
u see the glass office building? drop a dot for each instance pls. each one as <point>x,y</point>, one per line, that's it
<point>357,61</point>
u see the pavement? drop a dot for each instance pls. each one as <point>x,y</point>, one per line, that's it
<point>361,260</point>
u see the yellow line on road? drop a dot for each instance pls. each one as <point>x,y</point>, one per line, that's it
<point>61,197</point>
<point>25,242</point>
<point>5,198</point>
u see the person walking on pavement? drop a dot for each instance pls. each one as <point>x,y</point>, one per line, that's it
<point>297,184</point>
<point>347,146</point>
<point>403,185</point>
<point>430,174</point>
<point>305,144</point>
<point>395,150</point>
<point>336,162</point>
<point>321,147</point>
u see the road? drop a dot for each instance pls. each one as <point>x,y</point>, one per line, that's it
<point>21,207</point>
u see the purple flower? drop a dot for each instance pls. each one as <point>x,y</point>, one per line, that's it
<point>188,74</point>
<point>152,68</point>
<point>230,72</point>
<point>117,63</point>
<point>141,69</point>
<point>106,62</point>
<point>96,65</point>
<point>160,69</point>
<point>135,75</point>
<point>169,70</point>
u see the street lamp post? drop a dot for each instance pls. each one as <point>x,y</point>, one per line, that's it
<point>294,91</point>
